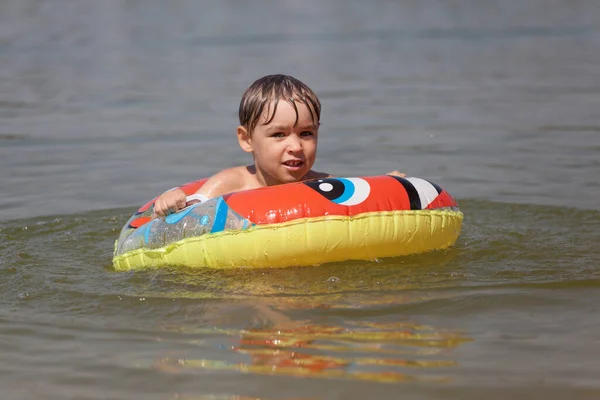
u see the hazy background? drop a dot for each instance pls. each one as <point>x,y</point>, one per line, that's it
<point>105,104</point>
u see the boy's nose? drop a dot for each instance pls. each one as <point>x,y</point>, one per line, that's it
<point>294,144</point>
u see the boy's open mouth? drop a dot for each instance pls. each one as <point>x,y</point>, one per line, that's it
<point>293,163</point>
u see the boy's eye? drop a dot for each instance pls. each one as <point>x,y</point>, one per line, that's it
<point>278,135</point>
<point>306,133</point>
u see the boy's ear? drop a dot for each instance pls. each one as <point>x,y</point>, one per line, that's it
<point>244,139</point>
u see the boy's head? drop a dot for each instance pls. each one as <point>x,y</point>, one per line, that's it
<point>263,96</point>
<point>279,125</point>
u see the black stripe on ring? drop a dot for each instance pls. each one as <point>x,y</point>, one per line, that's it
<point>411,191</point>
<point>439,189</point>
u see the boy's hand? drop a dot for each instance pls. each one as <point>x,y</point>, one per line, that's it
<point>396,173</point>
<point>169,202</point>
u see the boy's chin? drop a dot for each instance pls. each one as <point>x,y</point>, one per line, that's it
<point>291,177</point>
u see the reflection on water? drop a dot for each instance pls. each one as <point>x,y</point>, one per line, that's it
<point>347,284</point>
<point>360,350</point>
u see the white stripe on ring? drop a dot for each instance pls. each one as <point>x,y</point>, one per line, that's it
<point>427,192</point>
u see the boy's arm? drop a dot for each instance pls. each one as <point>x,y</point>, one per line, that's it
<point>169,202</point>
<point>226,181</point>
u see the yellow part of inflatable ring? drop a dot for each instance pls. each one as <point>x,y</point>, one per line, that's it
<point>304,223</point>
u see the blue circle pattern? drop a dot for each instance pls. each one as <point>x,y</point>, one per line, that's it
<point>349,190</point>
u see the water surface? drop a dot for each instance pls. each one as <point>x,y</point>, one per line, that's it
<point>105,104</point>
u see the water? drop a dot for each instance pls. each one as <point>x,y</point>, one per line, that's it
<point>105,104</point>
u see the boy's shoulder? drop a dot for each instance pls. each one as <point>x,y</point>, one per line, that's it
<point>231,173</point>
<point>234,176</point>
<point>226,181</point>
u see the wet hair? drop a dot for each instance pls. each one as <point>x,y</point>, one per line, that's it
<point>269,90</point>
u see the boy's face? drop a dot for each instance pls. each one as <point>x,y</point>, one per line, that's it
<point>284,150</point>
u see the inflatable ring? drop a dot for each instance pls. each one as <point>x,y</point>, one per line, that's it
<point>302,223</point>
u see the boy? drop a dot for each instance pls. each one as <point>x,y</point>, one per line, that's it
<point>279,125</point>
